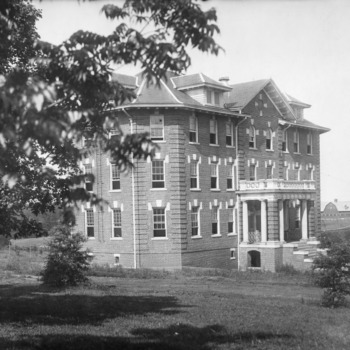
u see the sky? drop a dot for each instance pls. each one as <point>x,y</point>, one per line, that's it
<point>303,45</point>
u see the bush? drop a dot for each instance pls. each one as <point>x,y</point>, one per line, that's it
<point>332,272</point>
<point>67,262</point>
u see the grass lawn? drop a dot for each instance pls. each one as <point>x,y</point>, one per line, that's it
<point>173,311</point>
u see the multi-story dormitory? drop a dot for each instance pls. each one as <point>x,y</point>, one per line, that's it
<point>235,182</point>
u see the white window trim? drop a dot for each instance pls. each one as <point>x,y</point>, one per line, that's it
<point>197,139</point>
<point>116,256</point>
<point>218,222</point>
<point>217,188</point>
<point>232,250</point>
<point>216,132</point>
<point>112,237</point>
<point>111,179</point>
<point>232,133</point>
<point>158,188</point>
<point>297,141</point>
<point>254,130</point>
<point>198,188</point>
<point>271,140</point>
<point>199,223</point>
<point>150,128</point>
<point>234,212</point>
<point>233,177</point>
<point>309,138</point>
<point>165,223</point>
<point>285,133</point>
<point>86,225</point>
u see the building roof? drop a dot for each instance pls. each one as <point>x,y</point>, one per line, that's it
<point>184,82</point>
<point>340,205</point>
<point>164,93</point>
<point>306,124</point>
<point>128,81</point>
<point>294,101</point>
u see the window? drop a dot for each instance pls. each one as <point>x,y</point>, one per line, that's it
<point>159,222</point>
<point>230,176</point>
<point>214,221</point>
<point>195,221</point>
<point>114,133</point>
<point>214,175</point>
<point>209,100</point>
<point>88,179</point>
<point>117,223</point>
<point>217,98</point>
<point>297,216</point>
<point>230,220</point>
<point>194,174</point>
<point>284,141</point>
<point>90,229</point>
<point>232,253</point>
<point>309,173</point>
<point>309,143</point>
<point>115,177</point>
<point>158,174</point>
<point>252,137</point>
<point>213,132</point>
<point>229,134</point>
<point>285,173</point>
<point>87,141</point>
<point>269,139</point>
<point>252,175</point>
<point>296,141</point>
<point>269,172</point>
<point>157,127</point>
<point>193,129</point>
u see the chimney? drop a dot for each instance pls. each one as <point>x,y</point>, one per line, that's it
<point>336,200</point>
<point>224,80</point>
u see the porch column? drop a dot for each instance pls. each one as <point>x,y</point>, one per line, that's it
<point>263,221</point>
<point>245,222</point>
<point>304,234</point>
<point>281,219</point>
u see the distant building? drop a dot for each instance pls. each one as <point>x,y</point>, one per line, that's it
<point>335,215</point>
<point>235,182</point>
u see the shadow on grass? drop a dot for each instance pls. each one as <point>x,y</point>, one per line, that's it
<point>42,305</point>
<point>176,337</point>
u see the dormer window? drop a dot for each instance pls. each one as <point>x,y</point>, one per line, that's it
<point>213,97</point>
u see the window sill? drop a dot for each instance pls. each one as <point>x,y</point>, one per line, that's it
<point>216,235</point>
<point>91,238</point>
<point>230,190</point>
<point>158,141</point>
<point>270,150</point>
<point>116,238</point>
<point>158,189</point>
<point>232,258</point>
<point>296,152</point>
<point>193,143</point>
<point>309,154</point>
<point>159,238</point>
<point>215,190</point>
<point>285,151</point>
<point>196,237</point>
<point>230,146</point>
<point>232,234</point>
<point>195,189</point>
<point>253,149</point>
<point>115,191</point>
<point>214,145</point>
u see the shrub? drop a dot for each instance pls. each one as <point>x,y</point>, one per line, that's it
<point>332,272</point>
<point>67,262</point>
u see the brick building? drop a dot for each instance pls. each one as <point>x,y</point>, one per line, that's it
<point>235,182</point>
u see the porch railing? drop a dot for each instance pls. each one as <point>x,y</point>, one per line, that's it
<point>254,237</point>
<point>276,184</point>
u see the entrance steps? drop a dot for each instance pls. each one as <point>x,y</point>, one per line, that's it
<point>306,251</point>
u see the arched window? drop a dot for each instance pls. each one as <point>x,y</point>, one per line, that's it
<point>269,139</point>
<point>254,259</point>
<point>252,137</point>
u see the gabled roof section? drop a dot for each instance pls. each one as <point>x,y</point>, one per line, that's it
<point>293,101</point>
<point>190,81</point>
<point>340,205</point>
<point>128,81</point>
<point>241,94</point>
<point>303,123</point>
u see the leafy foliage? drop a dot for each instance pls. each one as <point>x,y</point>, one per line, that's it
<point>66,263</point>
<point>332,272</point>
<point>52,97</point>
